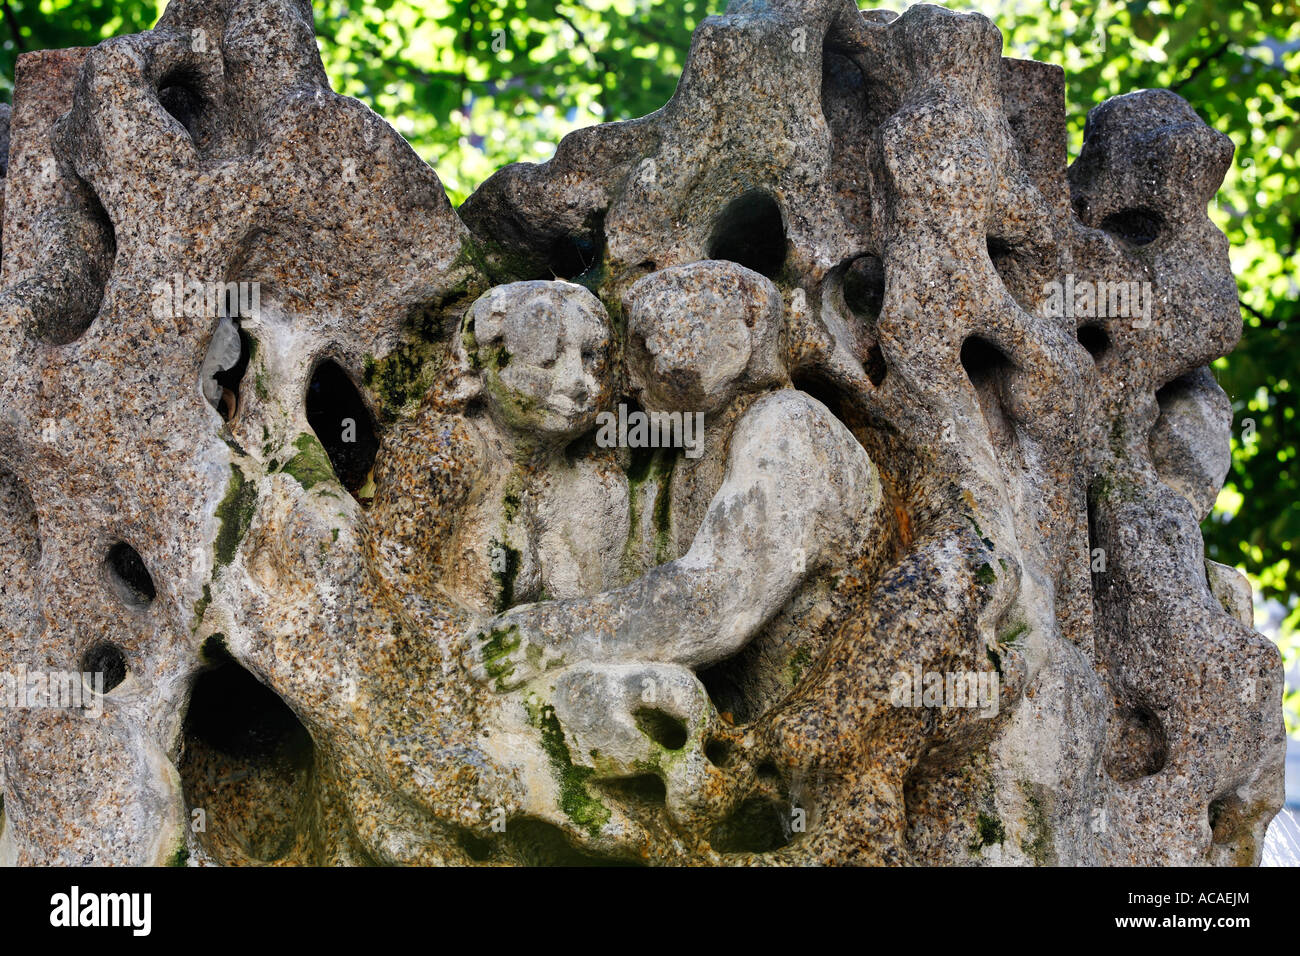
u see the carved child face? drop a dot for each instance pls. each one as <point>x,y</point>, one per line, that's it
<point>544,351</point>
<point>699,333</point>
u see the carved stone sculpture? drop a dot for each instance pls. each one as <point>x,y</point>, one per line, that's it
<point>808,472</point>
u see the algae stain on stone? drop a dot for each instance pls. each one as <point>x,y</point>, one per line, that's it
<point>799,663</point>
<point>311,466</point>
<point>506,559</point>
<point>201,607</point>
<point>235,513</point>
<point>575,799</point>
<point>1038,844</point>
<point>988,831</point>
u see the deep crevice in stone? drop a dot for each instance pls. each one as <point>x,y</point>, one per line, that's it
<point>344,425</point>
<point>988,369</point>
<point>108,659</point>
<point>571,256</point>
<point>663,728</point>
<point>759,824</point>
<point>180,95</point>
<point>751,233</point>
<point>538,843</point>
<point>248,762</point>
<point>131,579</point>
<point>1135,226</point>
<point>645,790</point>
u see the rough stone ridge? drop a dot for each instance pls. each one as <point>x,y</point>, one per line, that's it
<point>341,491</point>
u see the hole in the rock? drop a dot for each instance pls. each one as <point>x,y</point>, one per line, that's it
<point>342,421</point>
<point>757,825</point>
<point>179,95</point>
<point>1137,745</point>
<point>476,847</point>
<point>874,365</point>
<point>717,752</point>
<point>999,249</point>
<point>982,360</point>
<point>988,369</point>
<point>236,714</point>
<point>663,728</point>
<point>572,255</point>
<point>1096,553</point>
<point>1135,226</point>
<point>750,232</point>
<point>108,659</point>
<point>130,577</point>
<point>1094,338</point>
<point>864,287</point>
<point>644,788</point>
<point>248,761</point>
<point>1231,825</point>
<point>229,379</point>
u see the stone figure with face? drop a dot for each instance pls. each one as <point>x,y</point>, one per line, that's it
<point>795,481</point>
<point>794,493</point>
<point>437,549</point>
<point>532,371</point>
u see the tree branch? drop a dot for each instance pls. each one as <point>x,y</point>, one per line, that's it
<point>1204,62</point>
<point>14,31</point>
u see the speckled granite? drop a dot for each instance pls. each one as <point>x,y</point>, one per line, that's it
<point>628,513</point>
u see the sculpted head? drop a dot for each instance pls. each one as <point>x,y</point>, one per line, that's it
<point>700,333</point>
<point>543,350</point>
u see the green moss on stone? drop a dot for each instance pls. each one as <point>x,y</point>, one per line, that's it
<point>988,832</point>
<point>1014,633</point>
<point>234,515</point>
<point>1038,847</point>
<point>311,466</point>
<point>201,606</point>
<point>575,799</point>
<point>798,665</point>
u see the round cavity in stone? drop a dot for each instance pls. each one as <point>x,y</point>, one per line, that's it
<point>129,576</point>
<point>1094,338</point>
<point>107,659</point>
<point>751,233</point>
<point>864,287</point>
<point>180,96</point>
<point>342,422</point>
<point>1135,226</point>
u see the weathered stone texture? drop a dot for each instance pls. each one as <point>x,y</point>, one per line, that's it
<point>371,584</point>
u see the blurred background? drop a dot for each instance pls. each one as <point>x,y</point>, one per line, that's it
<point>474,85</point>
